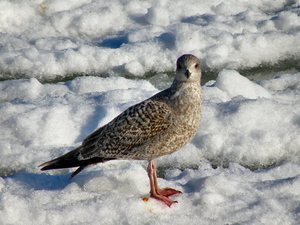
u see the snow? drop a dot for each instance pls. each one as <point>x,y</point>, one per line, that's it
<point>234,84</point>
<point>242,167</point>
<point>50,39</point>
<point>245,125</point>
<point>112,195</point>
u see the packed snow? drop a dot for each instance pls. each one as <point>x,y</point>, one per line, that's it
<point>242,167</point>
<point>49,39</point>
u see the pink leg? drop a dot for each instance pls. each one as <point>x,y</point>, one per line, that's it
<point>155,191</point>
<point>165,191</point>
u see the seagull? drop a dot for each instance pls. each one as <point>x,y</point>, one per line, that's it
<point>157,126</point>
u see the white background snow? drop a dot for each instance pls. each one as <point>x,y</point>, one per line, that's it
<point>46,39</point>
<point>243,165</point>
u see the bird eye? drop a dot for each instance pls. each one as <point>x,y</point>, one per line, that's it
<point>197,66</point>
<point>179,67</point>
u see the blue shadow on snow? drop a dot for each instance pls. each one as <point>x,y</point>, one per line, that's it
<point>113,42</point>
<point>42,181</point>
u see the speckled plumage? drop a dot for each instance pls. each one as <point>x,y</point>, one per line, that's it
<point>157,126</point>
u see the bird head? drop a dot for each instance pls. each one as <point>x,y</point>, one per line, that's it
<point>188,69</point>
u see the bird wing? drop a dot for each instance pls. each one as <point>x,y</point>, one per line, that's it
<point>132,128</point>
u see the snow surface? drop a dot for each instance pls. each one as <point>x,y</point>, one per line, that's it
<point>245,126</point>
<point>46,39</point>
<point>243,165</point>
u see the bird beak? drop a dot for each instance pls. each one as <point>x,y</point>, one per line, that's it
<point>187,73</point>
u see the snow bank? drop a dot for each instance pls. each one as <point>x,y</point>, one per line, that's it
<point>233,84</point>
<point>46,39</point>
<point>252,124</point>
<point>112,194</point>
<point>36,117</point>
<point>244,124</point>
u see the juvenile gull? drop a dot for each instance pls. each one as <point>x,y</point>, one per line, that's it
<point>155,127</point>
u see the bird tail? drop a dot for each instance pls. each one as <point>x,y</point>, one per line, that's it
<point>71,160</point>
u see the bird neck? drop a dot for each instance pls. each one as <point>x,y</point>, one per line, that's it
<point>177,84</point>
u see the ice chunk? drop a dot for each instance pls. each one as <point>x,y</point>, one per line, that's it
<point>234,84</point>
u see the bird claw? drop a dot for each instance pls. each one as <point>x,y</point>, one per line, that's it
<point>163,195</point>
<point>168,192</point>
<point>163,199</point>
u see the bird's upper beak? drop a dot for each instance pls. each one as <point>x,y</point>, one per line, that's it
<point>187,73</point>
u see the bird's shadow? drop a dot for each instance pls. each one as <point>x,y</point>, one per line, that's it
<point>52,182</point>
<point>41,181</point>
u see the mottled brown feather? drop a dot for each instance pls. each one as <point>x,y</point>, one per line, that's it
<point>133,127</point>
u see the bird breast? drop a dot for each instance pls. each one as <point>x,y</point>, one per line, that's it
<point>186,105</point>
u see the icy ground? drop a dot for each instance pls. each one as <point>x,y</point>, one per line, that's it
<point>48,39</point>
<point>241,168</point>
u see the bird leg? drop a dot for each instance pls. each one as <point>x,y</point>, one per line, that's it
<point>155,191</point>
